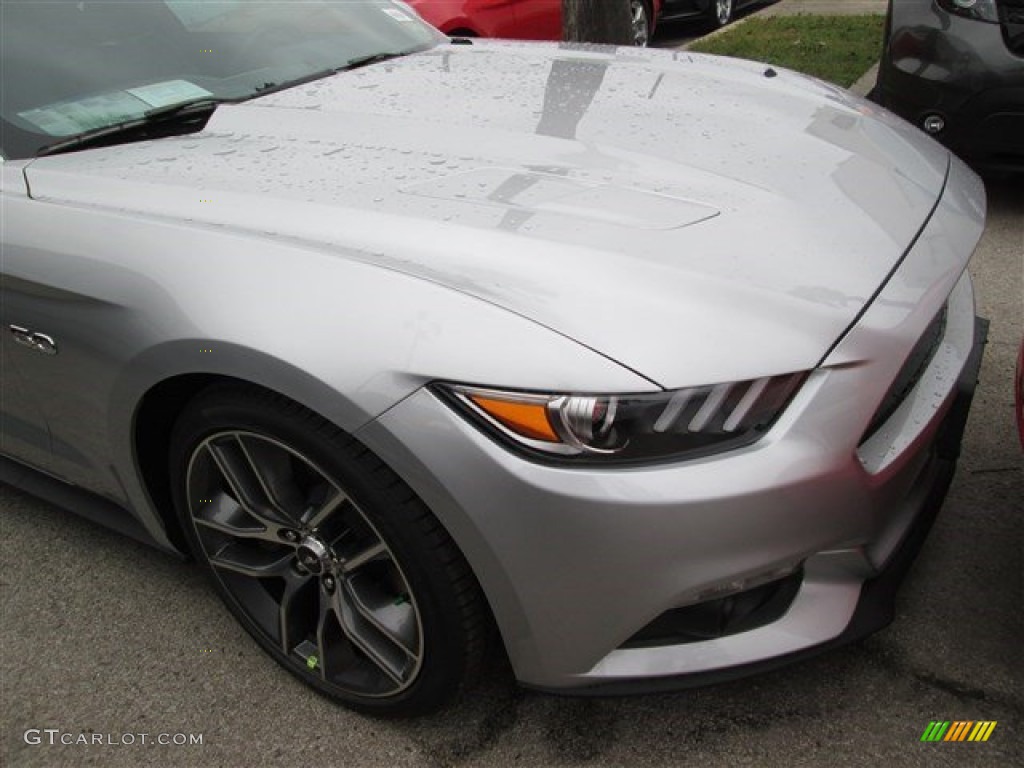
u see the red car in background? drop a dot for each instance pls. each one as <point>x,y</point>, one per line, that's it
<point>519,19</point>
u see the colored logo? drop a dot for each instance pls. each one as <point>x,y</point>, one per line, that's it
<point>958,730</point>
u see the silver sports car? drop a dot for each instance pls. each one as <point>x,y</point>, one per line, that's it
<point>648,368</point>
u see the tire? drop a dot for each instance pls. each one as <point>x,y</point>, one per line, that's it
<point>332,564</point>
<point>720,13</point>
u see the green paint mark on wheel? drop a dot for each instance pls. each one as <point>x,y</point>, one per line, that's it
<point>312,661</point>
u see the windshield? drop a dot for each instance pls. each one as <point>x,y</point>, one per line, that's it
<point>71,67</point>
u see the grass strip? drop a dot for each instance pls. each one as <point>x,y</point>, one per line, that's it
<point>835,48</point>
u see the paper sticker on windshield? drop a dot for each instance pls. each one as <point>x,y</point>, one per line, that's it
<point>396,14</point>
<point>71,117</point>
<point>170,92</point>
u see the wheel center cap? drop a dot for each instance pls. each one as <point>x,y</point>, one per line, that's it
<point>313,555</point>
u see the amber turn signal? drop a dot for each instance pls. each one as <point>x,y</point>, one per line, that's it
<point>526,419</point>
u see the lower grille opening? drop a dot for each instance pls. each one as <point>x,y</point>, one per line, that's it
<point>720,617</point>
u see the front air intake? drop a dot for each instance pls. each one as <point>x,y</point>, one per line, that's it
<point>720,617</point>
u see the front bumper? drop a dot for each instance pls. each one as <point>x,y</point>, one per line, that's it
<point>576,561</point>
<point>875,605</point>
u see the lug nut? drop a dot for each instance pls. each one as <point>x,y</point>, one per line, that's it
<point>329,583</point>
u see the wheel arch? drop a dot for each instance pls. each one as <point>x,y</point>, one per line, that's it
<point>154,388</point>
<point>155,417</point>
<point>153,422</point>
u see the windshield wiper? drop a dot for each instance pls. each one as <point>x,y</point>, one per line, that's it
<point>320,74</point>
<point>191,106</point>
<point>373,58</point>
<point>161,118</point>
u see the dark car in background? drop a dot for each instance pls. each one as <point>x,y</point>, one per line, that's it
<point>955,68</point>
<point>716,12</point>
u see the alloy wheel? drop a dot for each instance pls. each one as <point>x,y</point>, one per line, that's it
<point>641,23</point>
<point>723,12</point>
<point>304,563</point>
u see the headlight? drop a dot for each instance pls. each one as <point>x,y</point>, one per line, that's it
<point>982,10</point>
<point>683,423</point>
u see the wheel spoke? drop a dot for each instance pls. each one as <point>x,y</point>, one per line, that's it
<point>225,517</point>
<point>388,656</point>
<point>291,625</point>
<point>245,479</point>
<point>274,470</point>
<point>393,618</point>
<point>253,562</point>
<point>373,552</point>
<point>327,614</point>
<point>318,515</point>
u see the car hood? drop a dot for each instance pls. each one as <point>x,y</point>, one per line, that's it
<point>697,219</point>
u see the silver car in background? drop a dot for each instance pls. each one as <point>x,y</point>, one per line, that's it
<point>650,367</point>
